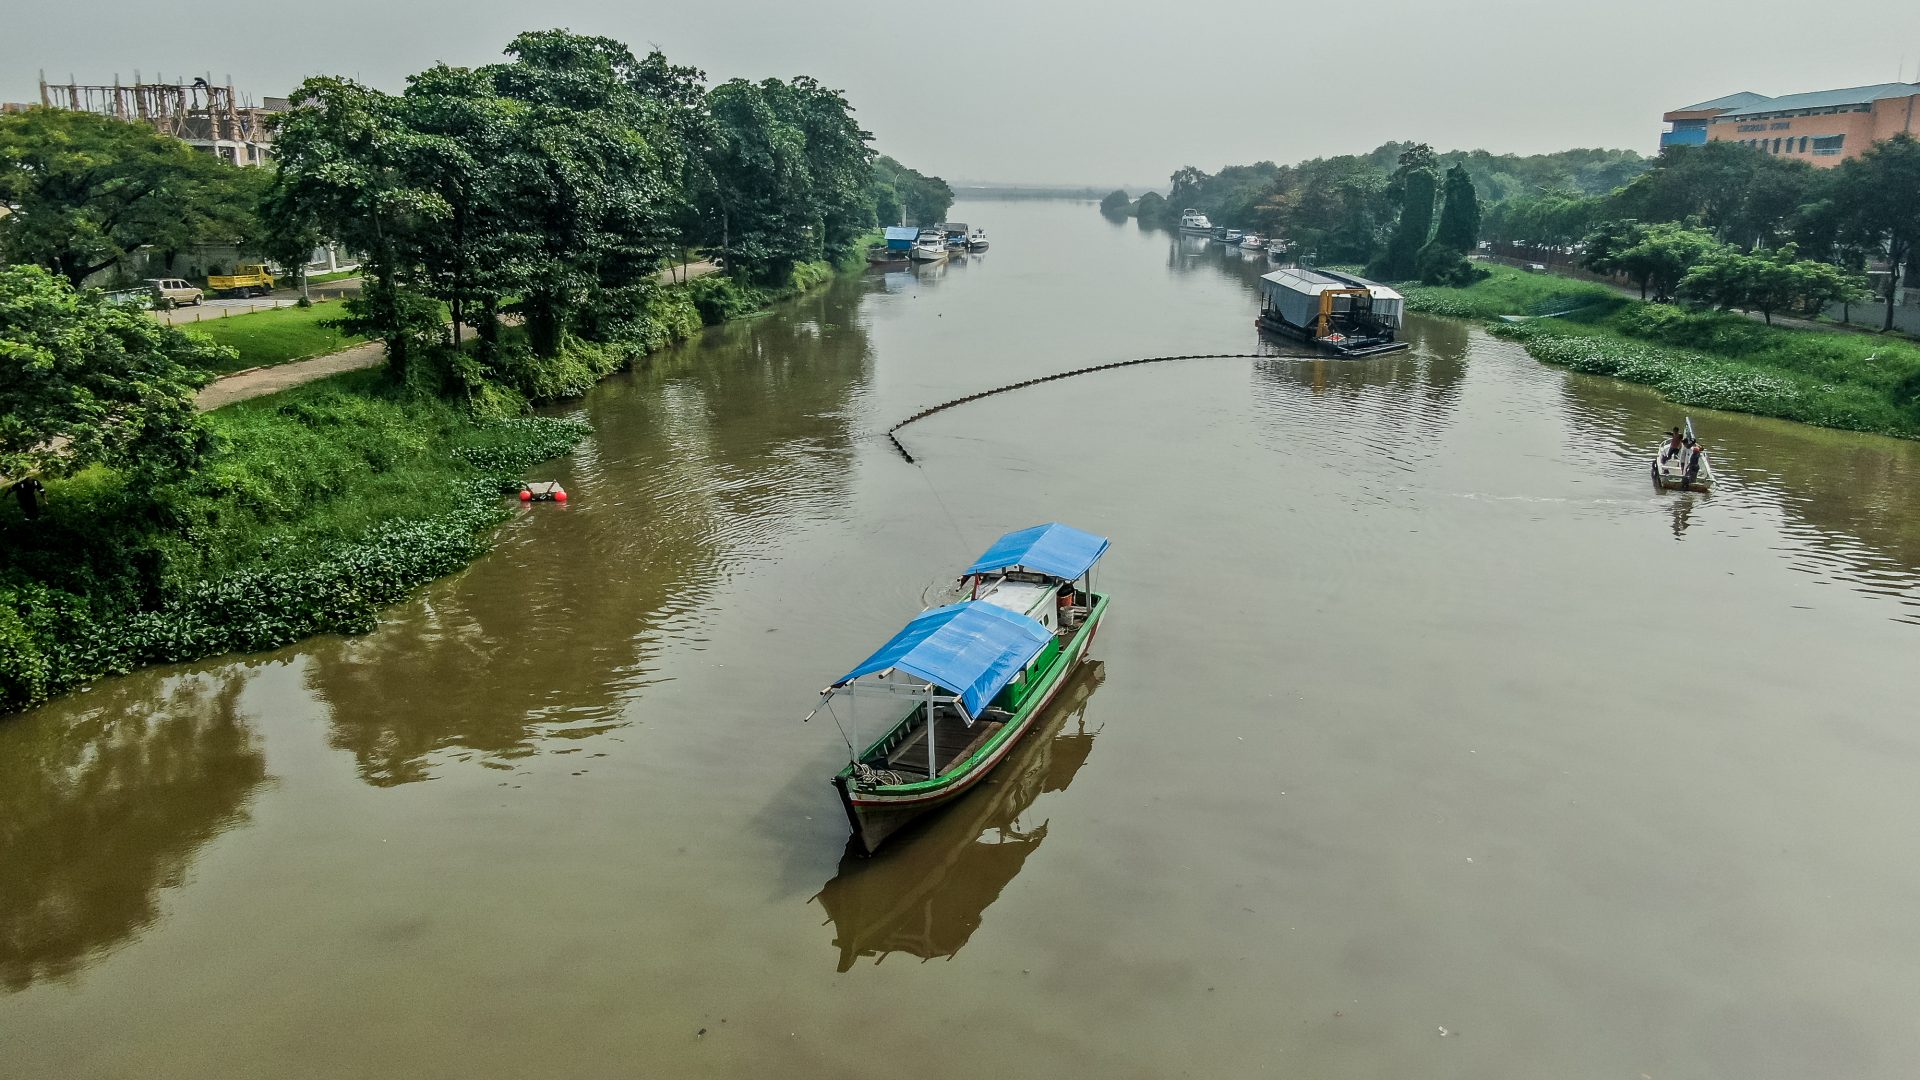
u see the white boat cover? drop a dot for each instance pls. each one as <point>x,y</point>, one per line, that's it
<point>1295,292</point>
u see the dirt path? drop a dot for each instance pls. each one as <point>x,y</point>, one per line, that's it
<point>259,382</point>
<point>686,271</point>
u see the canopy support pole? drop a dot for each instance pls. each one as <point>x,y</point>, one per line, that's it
<point>931,771</point>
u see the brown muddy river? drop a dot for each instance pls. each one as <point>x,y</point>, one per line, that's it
<point>1425,738</point>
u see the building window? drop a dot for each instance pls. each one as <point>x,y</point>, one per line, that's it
<point>1828,145</point>
<point>1803,144</point>
<point>1776,146</point>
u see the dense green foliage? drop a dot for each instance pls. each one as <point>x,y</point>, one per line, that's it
<point>1875,204</point>
<point>275,336</point>
<point>1708,358</point>
<point>1116,204</point>
<point>1340,209</point>
<point>85,382</point>
<point>1412,191</point>
<point>1698,199</point>
<point>80,192</point>
<point>1768,281</point>
<point>558,183</point>
<point>902,195</point>
<point>315,507</point>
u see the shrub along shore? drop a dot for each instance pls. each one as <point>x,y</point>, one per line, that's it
<point>1712,359</point>
<point>313,509</point>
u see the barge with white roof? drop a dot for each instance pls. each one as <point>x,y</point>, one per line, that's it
<point>1344,314</point>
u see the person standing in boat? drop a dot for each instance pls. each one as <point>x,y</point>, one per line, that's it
<point>1695,458</point>
<point>1674,448</point>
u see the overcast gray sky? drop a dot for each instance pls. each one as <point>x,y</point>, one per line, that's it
<point>1044,91</point>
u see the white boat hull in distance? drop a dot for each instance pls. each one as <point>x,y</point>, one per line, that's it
<point>1193,221</point>
<point>1671,471</point>
<point>928,253</point>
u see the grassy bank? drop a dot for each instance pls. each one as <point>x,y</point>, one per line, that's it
<point>315,508</point>
<point>1717,360</point>
<point>263,338</point>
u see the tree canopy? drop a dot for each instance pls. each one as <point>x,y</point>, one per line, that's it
<point>83,191</point>
<point>85,382</point>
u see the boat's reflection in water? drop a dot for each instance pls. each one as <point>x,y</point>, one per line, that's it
<point>925,892</point>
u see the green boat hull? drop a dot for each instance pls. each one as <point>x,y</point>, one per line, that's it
<point>876,812</point>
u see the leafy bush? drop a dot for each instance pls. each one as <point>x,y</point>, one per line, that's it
<point>317,507</point>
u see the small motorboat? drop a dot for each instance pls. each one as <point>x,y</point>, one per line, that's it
<point>1232,236</point>
<point>1680,464</point>
<point>1193,221</point>
<point>1253,242</point>
<point>978,241</point>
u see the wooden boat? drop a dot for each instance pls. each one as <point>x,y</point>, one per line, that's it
<point>1343,314</point>
<point>1684,467</point>
<point>925,899</point>
<point>960,684</point>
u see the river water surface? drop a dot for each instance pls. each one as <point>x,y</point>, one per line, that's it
<point>1424,737</point>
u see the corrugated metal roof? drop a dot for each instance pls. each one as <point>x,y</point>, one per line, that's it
<point>1743,99</point>
<point>1827,99</point>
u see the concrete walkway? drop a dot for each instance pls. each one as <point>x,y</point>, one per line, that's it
<point>259,382</point>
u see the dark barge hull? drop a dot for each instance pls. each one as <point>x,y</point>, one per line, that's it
<point>1368,347</point>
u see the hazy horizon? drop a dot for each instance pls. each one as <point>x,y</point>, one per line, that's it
<point>1042,94</point>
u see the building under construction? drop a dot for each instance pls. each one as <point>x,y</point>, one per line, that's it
<point>207,117</point>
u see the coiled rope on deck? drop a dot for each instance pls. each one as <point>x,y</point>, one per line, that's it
<point>893,437</point>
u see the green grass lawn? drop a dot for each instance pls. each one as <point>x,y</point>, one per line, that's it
<point>1510,291</point>
<point>264,338</point>
<point>1717,359</point>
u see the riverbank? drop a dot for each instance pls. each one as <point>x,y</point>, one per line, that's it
<point>1711,359</point>
<point>317,506</point>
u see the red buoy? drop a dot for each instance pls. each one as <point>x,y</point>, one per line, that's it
<point>560,496</point>
<point>525,495</point>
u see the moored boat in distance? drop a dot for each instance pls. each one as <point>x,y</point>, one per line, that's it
<point>929,246</point>
<point>1343,314</point>
<point>1680,463</point>
<point>896,246</point>
<point>1252,242</point>
<point>1193,221</point>
<point>977,241</point>
<point>1231,237</point>
<point>959,685</point>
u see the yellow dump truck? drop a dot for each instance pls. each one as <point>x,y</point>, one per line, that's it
<point>251,279</point>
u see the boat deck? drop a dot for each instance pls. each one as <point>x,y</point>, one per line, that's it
<point>953,741</point>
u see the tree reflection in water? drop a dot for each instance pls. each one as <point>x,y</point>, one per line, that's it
<point>703,459</point>
<point>927,890</point>
<point>103,806</point>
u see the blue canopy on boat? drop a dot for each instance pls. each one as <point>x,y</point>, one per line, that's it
<point>1060,550</point>
<point>972,649</point>
<point>901,237</point>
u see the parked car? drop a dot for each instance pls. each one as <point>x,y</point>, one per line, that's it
<point>176,290</point>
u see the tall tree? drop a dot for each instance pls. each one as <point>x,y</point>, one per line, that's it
<point>352,169</point>
<point>761,181</point>
<point>1415,185</point>
<point>82,191</point>
<point>1878,196</point>
<point>1459,228</point>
